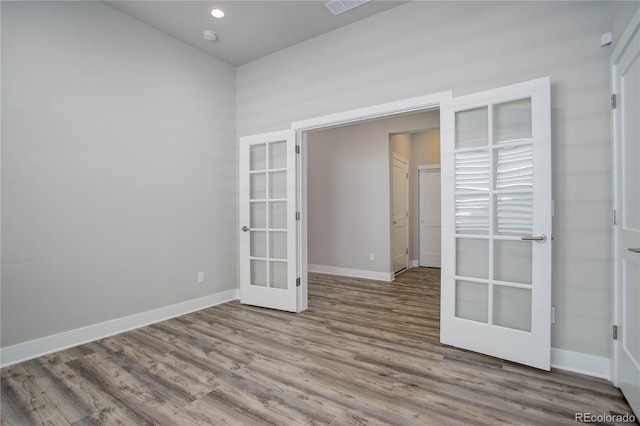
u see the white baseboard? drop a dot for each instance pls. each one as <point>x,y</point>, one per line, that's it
<point>348,272</point>
<point>414,263</point>
<point>590,365</point>
<point>34,348</point>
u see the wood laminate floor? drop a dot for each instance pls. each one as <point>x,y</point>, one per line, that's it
<point>365,352</point>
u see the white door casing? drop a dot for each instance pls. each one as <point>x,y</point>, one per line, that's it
<point>400,213</point>
<point>429,220</point>
<point>267,214</point>
<point>496,198</point>
<point>626,230</point>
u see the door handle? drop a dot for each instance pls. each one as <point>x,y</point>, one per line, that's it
<point>245,229</point>
<point>634,250</point>
<point>538,238</point>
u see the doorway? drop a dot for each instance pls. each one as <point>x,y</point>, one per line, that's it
<point>429,216</point>
<point>349,197</point>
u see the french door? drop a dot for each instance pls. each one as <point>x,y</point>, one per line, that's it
<point>626,82</point>
<point>268,232</point>
<point>496,223</point>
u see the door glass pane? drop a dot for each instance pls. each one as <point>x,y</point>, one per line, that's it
<point>278,245</point>
<point>258,244</point>
<point>472,171</point>
<point>278,155</point>
<point>258,157</point>
<point>472,128</point>
<point>472,214</point>
<point>472,258</point>
<point>259,272</point>
<point>472,301</point>
<point>258,215</point>
<point>512,307</point>
<point>512,121</point>
<point>512,261</point>
<point>278,274</point>
<point>278,185</point>
<point>514,167</point>
<point>514,214</point>
<point>258,186</point>
<point>278,215</point>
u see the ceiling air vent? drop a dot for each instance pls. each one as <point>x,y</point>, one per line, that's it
<point>340,6</point>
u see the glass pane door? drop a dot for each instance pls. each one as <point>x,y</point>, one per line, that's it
<point>496,223</point>
<point>267,216</point>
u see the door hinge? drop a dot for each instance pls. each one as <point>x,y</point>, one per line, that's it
<point>615,217</point>
<point>297,282</point>
<point>615,332</point>
<point>407,175</point>
<point>407,251</point>
<point>297,215</point>
<point>614,101</point>
<point>297,149</point>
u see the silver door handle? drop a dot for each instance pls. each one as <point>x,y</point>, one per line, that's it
<point>634,250</point>
<point>245,229</point>
<point>539,238</point>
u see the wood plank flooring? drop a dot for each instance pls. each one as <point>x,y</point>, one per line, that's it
<point>365,353</point>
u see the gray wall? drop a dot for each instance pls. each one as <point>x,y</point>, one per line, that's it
<point>471,46</point>
<point>118,169</point>
<point>348,191</point>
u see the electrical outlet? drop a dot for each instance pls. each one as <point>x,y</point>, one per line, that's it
<point>200,277</point>
<point>372,256</point>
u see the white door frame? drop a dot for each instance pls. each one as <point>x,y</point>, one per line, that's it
<point>417,104</point>
<point>616,298</point>
<point>399,157</point>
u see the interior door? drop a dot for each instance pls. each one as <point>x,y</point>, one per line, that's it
<point>400,214</point>
<point>429,190</point>
<point>267,189</point>
<point>626,77</point>
<point>496,219</point>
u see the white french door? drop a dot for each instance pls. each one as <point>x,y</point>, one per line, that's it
<point>268,251</point>
<point>626,85</point>
<point>496,223</point>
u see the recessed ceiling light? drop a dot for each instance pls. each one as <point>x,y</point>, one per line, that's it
<point>217,12</point>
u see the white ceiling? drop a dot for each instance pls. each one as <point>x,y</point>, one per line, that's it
<point>250,29</point>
